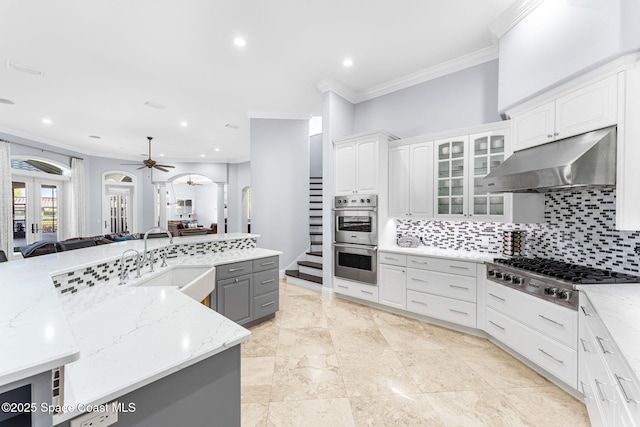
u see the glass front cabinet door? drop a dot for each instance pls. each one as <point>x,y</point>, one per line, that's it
<point>486,151</point>
<point>451,179</point>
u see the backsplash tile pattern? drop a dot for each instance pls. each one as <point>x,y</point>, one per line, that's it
<point>579,228</point>
<point>75,281</point>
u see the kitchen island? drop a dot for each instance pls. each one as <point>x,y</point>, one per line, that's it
<point>173,358</point>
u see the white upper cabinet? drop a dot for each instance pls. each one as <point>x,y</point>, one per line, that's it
<point>590,108</point>
<point>411,180</point>
<point>358,163</point>
<point>451,182</point>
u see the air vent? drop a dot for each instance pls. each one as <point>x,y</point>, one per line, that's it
<point>24,69</point>
<point>6,101</point>
<point>231,126</point>
<point>153,104</point>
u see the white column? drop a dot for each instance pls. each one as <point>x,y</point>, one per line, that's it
<point>220,208</point>
<point>162,204</point>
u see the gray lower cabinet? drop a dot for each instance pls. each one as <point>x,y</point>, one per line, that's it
<point>247,291</point>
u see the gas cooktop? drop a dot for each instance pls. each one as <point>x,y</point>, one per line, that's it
<point>577,274</point>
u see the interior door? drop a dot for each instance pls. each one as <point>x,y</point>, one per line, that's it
<point>119,214</point>
<point>36,210</point>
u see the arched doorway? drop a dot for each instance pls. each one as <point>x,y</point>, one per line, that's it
<point>119,207</point>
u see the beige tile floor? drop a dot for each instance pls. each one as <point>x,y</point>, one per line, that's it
<point>336,363</point>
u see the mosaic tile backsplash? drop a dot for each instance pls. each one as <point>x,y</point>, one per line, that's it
<point>579,228</point>
<point>72,282</point>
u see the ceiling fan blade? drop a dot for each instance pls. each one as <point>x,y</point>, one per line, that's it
<point>129,164</point>
<point>142,167</point>
<point>166,166</point>
<point>161,168</point>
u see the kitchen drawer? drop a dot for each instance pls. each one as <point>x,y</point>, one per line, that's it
<point>463,268</point>
<point>554,321</point>
<point>235,269</point>
<point>552,356</point>
<point>265,281</point>
<point>451,310</point>
<point>263,264</point>
<point>393,259</point>
<point>443,284</point>
<point>355,289</point>
<point>266,304</point>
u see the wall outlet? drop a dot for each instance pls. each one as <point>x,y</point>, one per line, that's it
<point>99,418</point>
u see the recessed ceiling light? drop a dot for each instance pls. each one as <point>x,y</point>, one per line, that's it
<point>95,136</point>
<point>240,42</point>
<point>202,155</point>
<point>184,124</point>
<point>216,149</point>
<point>47,121</point>
<point>6,101</point>
<point>348,62</point>
<point>161,154</point>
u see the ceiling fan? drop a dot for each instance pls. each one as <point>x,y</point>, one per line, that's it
<point>149,163</point>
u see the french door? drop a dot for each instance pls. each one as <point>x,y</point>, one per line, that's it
<point>118,213</point>
<point>37,210</point>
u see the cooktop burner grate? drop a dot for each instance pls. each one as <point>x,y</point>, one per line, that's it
<point>573,273</point>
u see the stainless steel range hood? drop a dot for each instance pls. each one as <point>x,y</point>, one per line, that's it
<point>586,160</point>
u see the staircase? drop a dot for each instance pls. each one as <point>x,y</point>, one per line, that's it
<point>309,272</point>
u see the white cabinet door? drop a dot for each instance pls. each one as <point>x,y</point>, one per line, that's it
<point>392,286</point>
<point>345,177</point>
<point>450,167</point>
<point>366,166</point>
<point>486,152</point>
<point>587,109</point>
<point>534,127</point>
<point>399,181</point>
<point>421,180</point>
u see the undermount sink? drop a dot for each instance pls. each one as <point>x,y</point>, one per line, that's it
<point>194,281</point>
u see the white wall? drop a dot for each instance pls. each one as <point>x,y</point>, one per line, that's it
<point>464,98</point>
<point>337,121</point>
<point>560,40</point>
<point>239,177</point>
<point>279,185</point>
<point>315,155</point>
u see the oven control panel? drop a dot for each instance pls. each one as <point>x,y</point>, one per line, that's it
<point>356,201</point>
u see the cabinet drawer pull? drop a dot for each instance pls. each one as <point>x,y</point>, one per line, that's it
<point>459,267</point>
<point>268,303</point>
<point>366,292</point>
<point>268,281</point>
<point>392,259</point>
<point>458,311</point>
<point>231,270</point>
<point>584,346</point>
<point>548,355</point>
<point>268,263</point>
<point>415,279</point>
<point>602,395</point>
<point>584,310</point>
<point>601,342</point>
<point>584,391</point>
<point>551,320</point>
<point>624,392</point>
<point>418,302</point>
<point>343,287</point>
<point>459,287</point>
<point>496,325</point>
<point>419,262</point>
<point>497,297</point>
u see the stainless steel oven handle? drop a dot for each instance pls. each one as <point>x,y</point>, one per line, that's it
<point>352,246</point>
<point>356,209</point>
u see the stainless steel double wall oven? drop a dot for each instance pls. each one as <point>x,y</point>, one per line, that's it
<point>356,238</point>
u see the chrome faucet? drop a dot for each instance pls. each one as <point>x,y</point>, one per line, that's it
<point>146,254</point>
<point>124,274</point>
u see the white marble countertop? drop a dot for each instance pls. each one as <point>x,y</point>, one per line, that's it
<point>36,332</point>
<point>440,253</point>
<point>619,308</point>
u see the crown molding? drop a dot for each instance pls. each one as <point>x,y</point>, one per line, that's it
<point>475,58</point>
<point>278,115</point>
<point>511,17</point>
<point>338,88</point>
